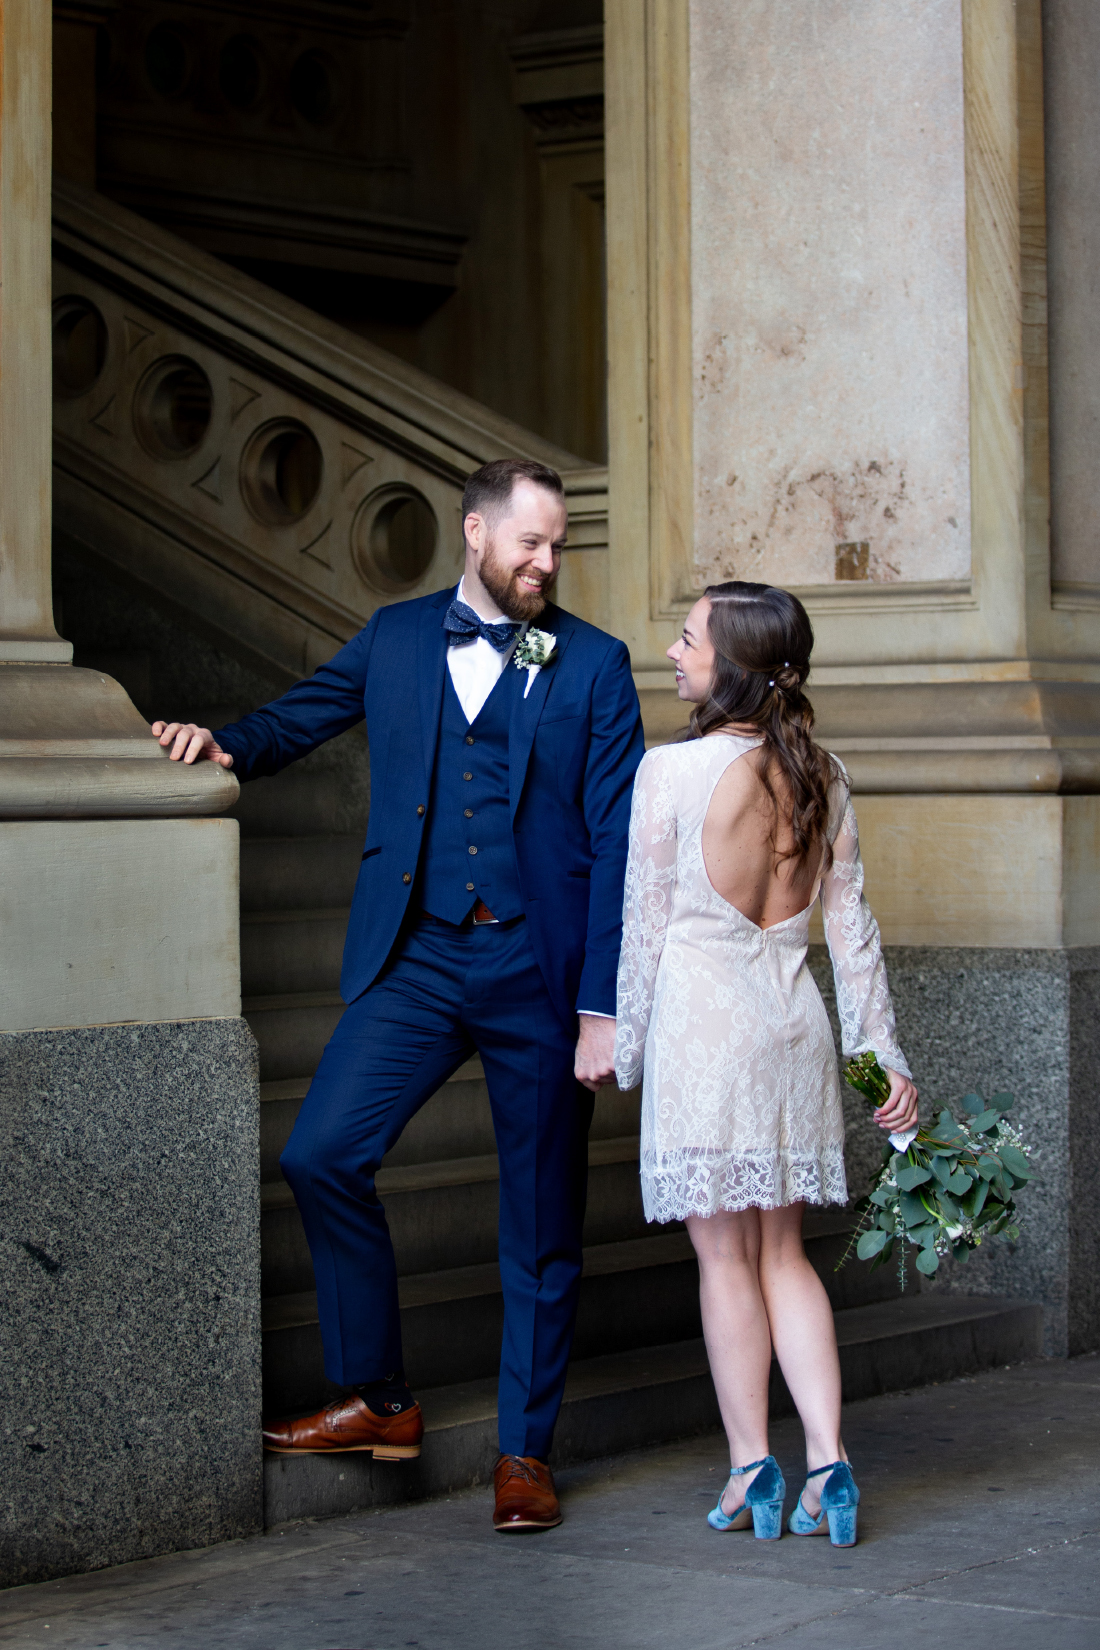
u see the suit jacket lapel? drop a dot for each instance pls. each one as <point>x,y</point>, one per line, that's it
<point>431,659</point>
<point>526,712</point>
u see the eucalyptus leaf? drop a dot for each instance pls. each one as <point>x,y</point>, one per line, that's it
<point>975,1202</point>
<point>961,1249</point>
<point>886,1220</point>
<point>973,1103</point>
<point>911,1210</point>
<point>988,1167</point>
<point>986,1120</point>
<point>1016,1163</point>
<point>1005,1101</point>
<point>870,1243</point>
<point>960,1182</point>
<point>941,1168</point>
<point>880,1197</point>
<point>909,1179</point>
<point>928,1262</point>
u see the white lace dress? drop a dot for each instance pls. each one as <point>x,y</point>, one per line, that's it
<point>741,1093</point>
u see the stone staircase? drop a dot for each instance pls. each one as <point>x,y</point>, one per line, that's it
<point>639,1372</point>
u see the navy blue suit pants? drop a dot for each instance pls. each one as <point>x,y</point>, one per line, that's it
<point>446,993</point>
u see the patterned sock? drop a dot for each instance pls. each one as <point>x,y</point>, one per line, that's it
<point>390,1396</point>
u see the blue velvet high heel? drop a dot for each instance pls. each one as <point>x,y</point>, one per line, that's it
<point>839,1500</point>
<point>763,1500</point>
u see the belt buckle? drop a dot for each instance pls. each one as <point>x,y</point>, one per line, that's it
<point>482,915</point>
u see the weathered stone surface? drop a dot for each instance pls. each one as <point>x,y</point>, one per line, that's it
<point>130,1324</point>
<point>829,291</point>
<point>1024,1022</point>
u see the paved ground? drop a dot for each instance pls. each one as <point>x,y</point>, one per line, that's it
<point>980,1526</point>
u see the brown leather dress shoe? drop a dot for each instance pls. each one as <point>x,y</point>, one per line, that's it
<point>347,1425</point>
<point>525,1496</point>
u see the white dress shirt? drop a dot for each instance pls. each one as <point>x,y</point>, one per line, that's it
<point>475,668</point>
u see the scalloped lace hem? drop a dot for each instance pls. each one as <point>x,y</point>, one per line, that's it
<point>703,1183</point>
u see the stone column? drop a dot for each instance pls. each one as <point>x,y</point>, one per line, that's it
<point>827,248</point>
<point>129,1334</point>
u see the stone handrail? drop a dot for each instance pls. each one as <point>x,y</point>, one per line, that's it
<point>262,468</point>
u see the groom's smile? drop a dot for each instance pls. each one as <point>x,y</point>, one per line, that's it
<point>513,558</point>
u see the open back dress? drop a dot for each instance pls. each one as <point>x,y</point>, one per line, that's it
<point>723,1020</point>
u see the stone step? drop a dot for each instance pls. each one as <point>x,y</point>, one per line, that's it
<point>292,1029</point>
<point>292,951</point>
<point>444,1214</point>
<point>456,1122</point>
<point>633,1292</point>
<point>299,802</point>
<point>451,1321</point>
<point>625,1400</point>
<point>292,872</point>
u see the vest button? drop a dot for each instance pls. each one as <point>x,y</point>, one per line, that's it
<point>469,887</point>
<point>467,776</point>
<point>407,877</point>
<point>469,812</point>
<point>473,850</point>
<point>421,810</point>
<point>469,738</point>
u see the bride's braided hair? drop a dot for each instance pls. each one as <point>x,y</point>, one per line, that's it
<point>762,640</point>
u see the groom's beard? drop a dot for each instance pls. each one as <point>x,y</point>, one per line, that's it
<point>515,600</point>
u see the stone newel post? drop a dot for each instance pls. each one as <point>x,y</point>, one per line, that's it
<point>129,1333</point>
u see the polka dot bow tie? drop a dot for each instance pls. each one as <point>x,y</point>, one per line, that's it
<point>463,625</point>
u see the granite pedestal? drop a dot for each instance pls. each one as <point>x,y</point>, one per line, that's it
<point>1028,1022</point>
<point>130,1317</point>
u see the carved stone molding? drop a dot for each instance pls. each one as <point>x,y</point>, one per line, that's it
<point>559,85</point>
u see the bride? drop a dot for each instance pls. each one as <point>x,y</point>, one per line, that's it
<point>734,833</point>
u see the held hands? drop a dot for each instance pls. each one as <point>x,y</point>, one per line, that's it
<point>595,1062</point>
<point>190,742</point>
<point>898,1114</point>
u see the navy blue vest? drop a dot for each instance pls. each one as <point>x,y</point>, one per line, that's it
<point>468,851</point>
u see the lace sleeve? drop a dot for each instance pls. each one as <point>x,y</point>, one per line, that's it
<point>647,907</point>
<point>855,946</point>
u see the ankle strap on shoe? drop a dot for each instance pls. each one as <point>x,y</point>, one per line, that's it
<point>735,1472</point>
<point>818,1470</point>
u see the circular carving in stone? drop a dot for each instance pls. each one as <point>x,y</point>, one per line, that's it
<point>168,60</point>
<point>173,407</point>
<point>79,345</point>
<point>281,470</point>
<point>394,537</point>
<point>312,90</point>
<point>240,73</point>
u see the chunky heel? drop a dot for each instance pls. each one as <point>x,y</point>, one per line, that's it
<point>842,1525</point>
<point>767,1520</point>
<point>763,1499</point>
<point>839,1500</point>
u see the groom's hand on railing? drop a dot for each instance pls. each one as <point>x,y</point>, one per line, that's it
<point>189,742</point>
<point>595,1062</point>
<point>899,1113</point>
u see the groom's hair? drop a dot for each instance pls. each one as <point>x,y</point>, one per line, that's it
<point>488,491</point>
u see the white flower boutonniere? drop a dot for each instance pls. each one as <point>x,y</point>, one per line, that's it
<point>533,650</point>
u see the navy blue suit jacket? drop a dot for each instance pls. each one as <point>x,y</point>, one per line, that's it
<point>574,745</point>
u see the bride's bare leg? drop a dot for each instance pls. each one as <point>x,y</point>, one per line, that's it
<point>804,1338</point>
<point>735,1324</point>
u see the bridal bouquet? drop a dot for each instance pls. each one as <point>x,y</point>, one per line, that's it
<point>944,1187</point>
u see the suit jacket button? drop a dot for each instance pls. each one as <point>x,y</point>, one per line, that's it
<point>421,810</point>
<point>473,850</point>
<point>469,738</point>
<point>467,776</point>
<point>407,877</point>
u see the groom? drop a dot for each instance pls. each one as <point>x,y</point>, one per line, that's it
<point>486,916</point>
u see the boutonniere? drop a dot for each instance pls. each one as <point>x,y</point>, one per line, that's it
<point>533,650</point>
